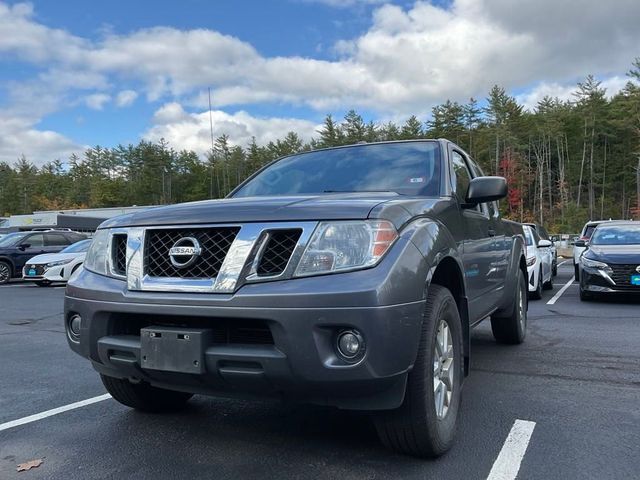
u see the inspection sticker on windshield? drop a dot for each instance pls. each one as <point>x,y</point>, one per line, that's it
<point>416,180</point>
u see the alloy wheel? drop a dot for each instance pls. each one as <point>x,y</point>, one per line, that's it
<point>443,369</point>
<point>5,273</point>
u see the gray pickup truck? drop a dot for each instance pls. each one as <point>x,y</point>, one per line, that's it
<point>347,277</point>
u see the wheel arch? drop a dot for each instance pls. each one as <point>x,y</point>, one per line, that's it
<point>448,274</point>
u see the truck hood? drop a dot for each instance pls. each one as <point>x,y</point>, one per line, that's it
<point>343,206</point>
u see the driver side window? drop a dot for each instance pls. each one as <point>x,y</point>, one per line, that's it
<point>462,178</point>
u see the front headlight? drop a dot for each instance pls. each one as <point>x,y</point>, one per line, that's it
<point>346,245</point>
<point>587,262</point>
<point>57,264</point>
<point>97,258</point>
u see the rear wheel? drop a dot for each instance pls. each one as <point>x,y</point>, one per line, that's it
<point>576,272</point>
<point>548,285</point>
<point>143,396</point>
<point>425,423</point>
<point>5,272</point>
<point>513,328</point>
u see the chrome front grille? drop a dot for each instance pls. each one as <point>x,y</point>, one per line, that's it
<point>229,255</point>
<point>622,275</point>
<point>277,252</point>
<point>215,244</point>
<point>119,252</point>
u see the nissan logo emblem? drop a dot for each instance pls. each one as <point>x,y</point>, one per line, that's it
<point>638,269</point>
<point>184,252</point>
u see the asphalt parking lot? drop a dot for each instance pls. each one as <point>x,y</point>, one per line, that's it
<point>577,378</point>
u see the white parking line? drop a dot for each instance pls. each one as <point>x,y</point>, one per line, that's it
<point>555,298</point>
<point>508,462</point>
<point>52,412</point>
<point>562,263</point>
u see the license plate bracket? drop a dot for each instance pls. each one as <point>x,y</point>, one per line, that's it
<point>171,349</point>
<point>635,280</point>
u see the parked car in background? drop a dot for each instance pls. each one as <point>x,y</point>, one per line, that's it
<point>611,261</point>
<point>580,244</point>
<point>16,248</point>
<point>539,263</point>
<point>552,250</point>
<point>55,267</point>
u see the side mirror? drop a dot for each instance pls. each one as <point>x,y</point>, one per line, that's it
<point>580,243</point>
<point>486,189</point>
<point>544,244</point>
<point>24,246</point>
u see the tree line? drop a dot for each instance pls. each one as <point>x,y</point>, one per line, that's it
<point>566,161</point>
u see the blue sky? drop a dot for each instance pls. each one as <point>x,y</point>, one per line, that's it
<point>75,74</point>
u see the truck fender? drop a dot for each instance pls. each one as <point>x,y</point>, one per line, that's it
<point>439,249</point>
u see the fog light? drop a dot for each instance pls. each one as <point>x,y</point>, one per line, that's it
<point>350,344</point>
<point>74,324</point>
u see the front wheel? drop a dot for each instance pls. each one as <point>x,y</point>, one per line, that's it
<point>425,423</point>
<point>5,272</point>
<point>576,272</point>
<point>513,328</point>
<point>143,396</point>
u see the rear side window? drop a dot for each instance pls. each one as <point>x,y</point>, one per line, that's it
<point>56,240</point>
<point>36,240</point>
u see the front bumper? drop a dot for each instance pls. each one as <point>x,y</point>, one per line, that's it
<point>53,274</point>
<point>592,281</point>
<point>303,317</point>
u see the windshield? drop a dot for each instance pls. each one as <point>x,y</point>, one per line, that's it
<point>78,247</point>
<point>616,235</point>
<point>11,239</point>
<point>410,168</point>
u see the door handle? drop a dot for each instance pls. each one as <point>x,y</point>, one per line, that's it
<point>491,232</point>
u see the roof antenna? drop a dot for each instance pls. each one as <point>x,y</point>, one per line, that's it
<point>210,120</point>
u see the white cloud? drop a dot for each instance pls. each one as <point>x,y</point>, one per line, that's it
<point>19,137</point>
<point>565,92</point>
<point>126,98</point>
<point>184,130</point>
<point>97,101</point>
<point>409,59</point>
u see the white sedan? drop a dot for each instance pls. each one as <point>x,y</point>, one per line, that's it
<point>539,263</point>
<point>55,267</point>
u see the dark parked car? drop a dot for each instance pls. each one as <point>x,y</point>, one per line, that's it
<point>348,277</point>
<point>16,248</point>
<point>611,262</point>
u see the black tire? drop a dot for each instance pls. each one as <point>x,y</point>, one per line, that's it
<point>5,272</point>
<point>415,428</point>
<point>512,329</point>
<point>143,396</point>
<point>537,294</point>
<point>576,272</point>
<point>554,271</point>
<point>43,283</point>
<point>548,285</point>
